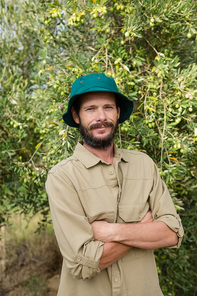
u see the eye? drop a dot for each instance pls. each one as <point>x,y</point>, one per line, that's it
<point>90,109</point>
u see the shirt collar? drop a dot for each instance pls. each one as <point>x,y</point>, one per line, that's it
<point>90,160</point>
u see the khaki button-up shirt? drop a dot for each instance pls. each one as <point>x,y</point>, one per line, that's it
<point>84,188</point>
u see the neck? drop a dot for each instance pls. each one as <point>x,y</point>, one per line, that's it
<point>105,154</point>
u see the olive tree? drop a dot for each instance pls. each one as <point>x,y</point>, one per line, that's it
<point>149,48</point>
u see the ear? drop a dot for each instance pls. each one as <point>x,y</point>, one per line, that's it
<point>75,115</point>
<point>118,110</point>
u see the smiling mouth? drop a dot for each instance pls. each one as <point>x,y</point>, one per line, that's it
<point>102,129</point>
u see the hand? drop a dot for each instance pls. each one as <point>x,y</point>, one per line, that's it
<point>147,218</point>
<point>102,231</point>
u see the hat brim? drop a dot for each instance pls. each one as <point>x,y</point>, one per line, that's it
<point>126,106</point>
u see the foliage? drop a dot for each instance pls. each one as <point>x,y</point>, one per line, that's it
<point>36,286</point>
<point>149,47</point>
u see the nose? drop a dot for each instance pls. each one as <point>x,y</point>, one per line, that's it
<point>101,115</point>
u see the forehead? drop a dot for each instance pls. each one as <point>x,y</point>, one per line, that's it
<point>97,98</point>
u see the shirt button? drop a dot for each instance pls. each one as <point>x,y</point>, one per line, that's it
<point>111,172</point>
<point>115,279</point>
<point>78,259</point>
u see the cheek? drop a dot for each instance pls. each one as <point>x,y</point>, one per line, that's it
<point>86,120</point>
<point>116,117</point>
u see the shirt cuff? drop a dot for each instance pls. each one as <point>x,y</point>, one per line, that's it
<point>174,223</point>
<point>85,266</point>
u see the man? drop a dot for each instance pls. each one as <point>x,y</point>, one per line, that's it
<point>109,206</point>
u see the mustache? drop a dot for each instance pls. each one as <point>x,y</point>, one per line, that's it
<point>101,124</point>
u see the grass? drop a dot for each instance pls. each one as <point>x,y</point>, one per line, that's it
<point>22,228</point>
<point>27,258</point>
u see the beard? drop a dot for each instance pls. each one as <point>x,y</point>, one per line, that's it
<point>95,142</point>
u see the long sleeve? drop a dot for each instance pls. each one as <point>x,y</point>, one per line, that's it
<point>72,229</point>
<point>162,206</point>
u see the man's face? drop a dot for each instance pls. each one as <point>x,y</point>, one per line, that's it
<point>98,119</point>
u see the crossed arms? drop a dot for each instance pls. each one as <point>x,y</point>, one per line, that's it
<point>100,244</point>
<point>120,238</point>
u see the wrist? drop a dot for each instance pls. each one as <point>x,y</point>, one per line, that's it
<point>116,231</point>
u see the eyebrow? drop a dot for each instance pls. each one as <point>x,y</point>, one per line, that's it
<point>88,106</point>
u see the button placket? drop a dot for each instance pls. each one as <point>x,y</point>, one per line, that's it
<point>116,279</point>
<point>116,282</point>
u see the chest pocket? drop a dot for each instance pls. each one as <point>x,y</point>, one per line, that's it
<point>132,213</point>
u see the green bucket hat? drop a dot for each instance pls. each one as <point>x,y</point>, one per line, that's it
<point>93,83</point>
